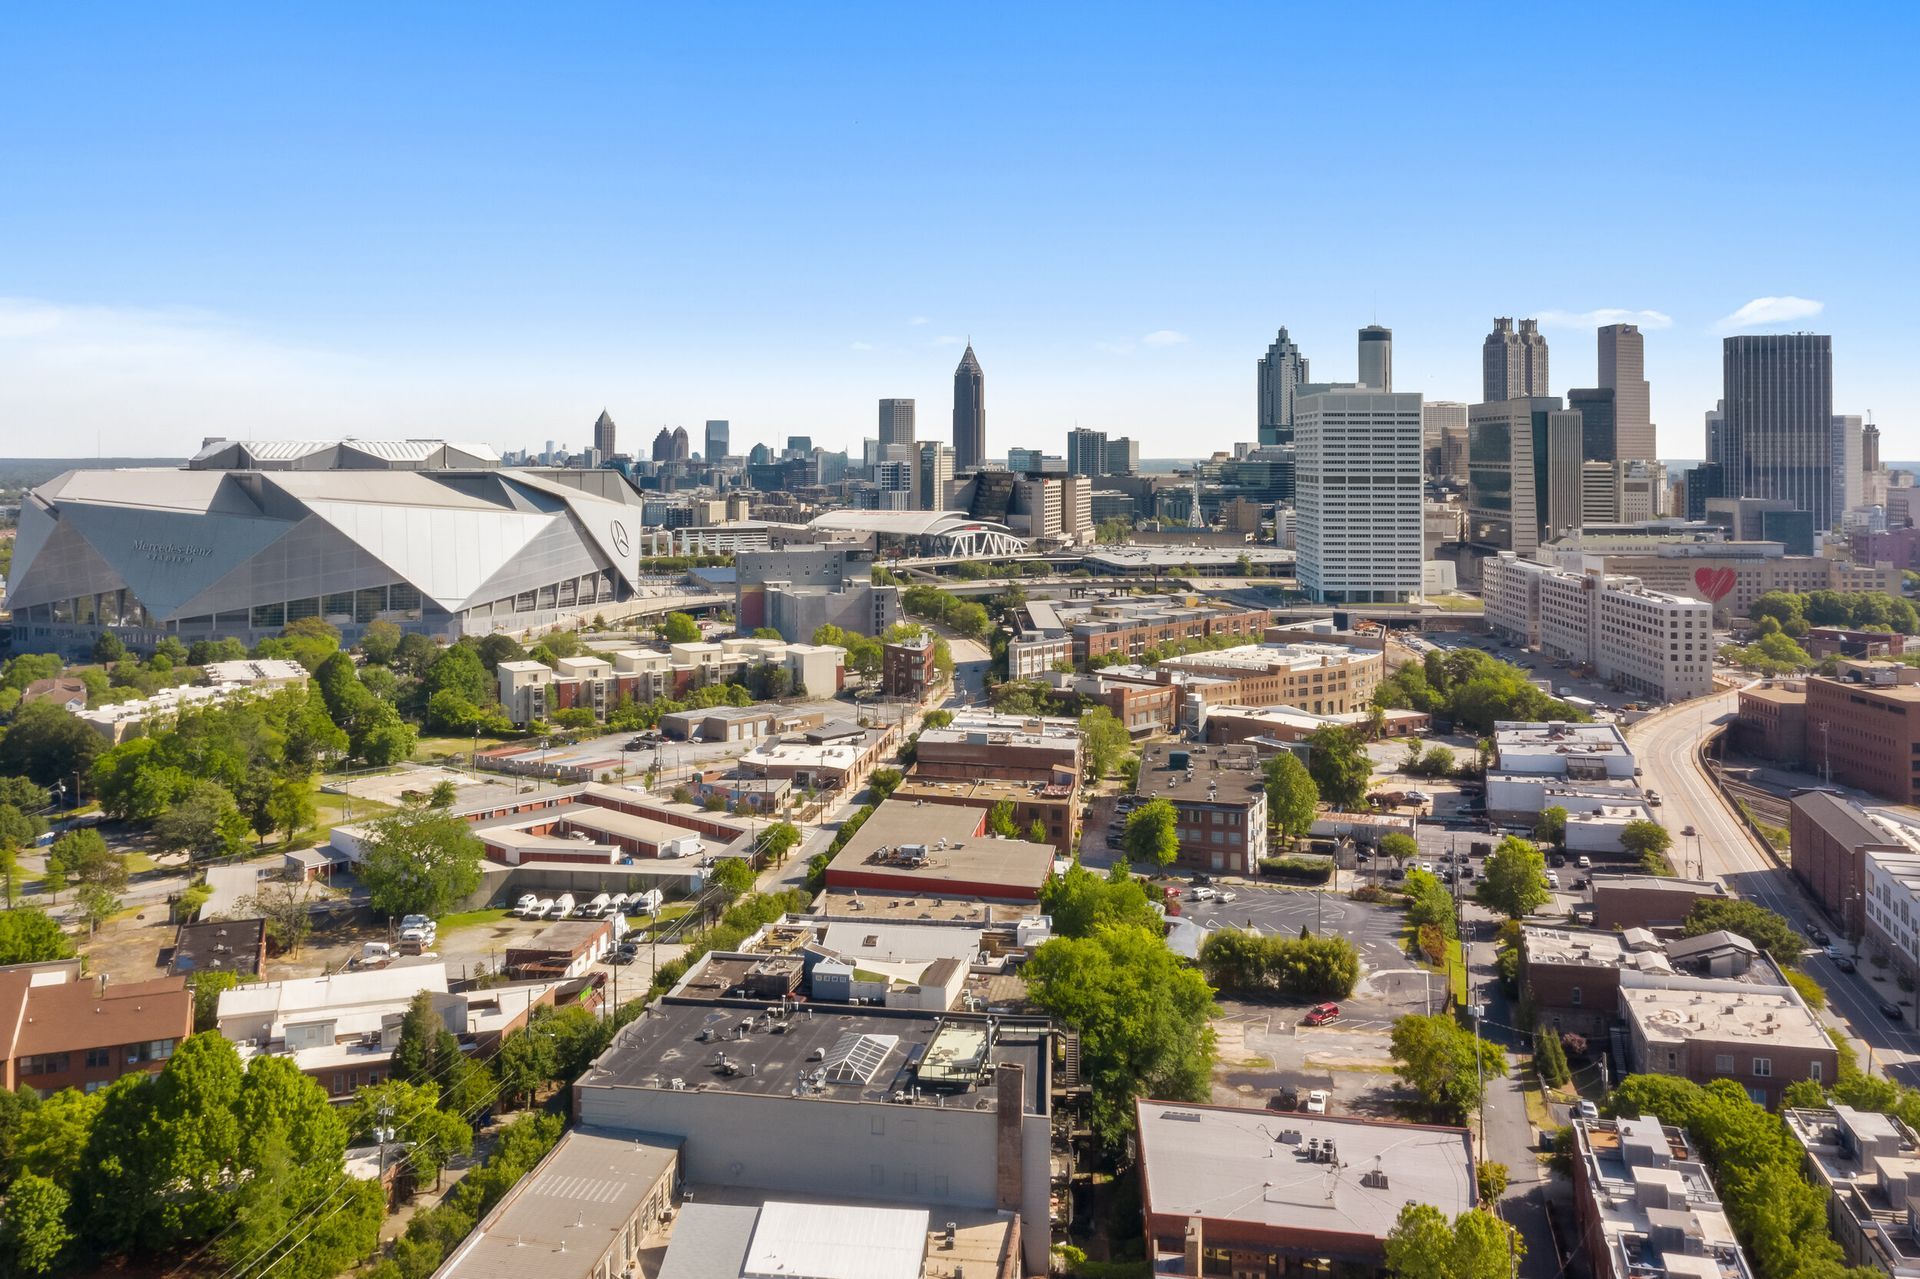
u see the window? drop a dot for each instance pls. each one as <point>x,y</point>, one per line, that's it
<point>1574,999</point>
<point>99,1057</point>
<point>1762,1068</point>
<point>1723,1064</point>
<point>43,1064</point>
<point>1813,1071</point>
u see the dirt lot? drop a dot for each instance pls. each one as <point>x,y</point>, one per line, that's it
<point>1261,1052</point>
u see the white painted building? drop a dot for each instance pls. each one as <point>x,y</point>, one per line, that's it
<point>1358,491</point>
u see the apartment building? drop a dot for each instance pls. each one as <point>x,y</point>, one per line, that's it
<point>907,667</point>
<point>1708,1028</point>
<point>980,760</point>
<point>1657,644</point>
<point>1220,796</point>
<point>1645,1207</point>
<point>62,1029</point>
<point>1832,838</point>
<point>1680,562</point>
<point>531,691</point>
<point>1863,728</point>
<point>1772,721</point>
<point>1866,1162</point>
<point>1119,628</point>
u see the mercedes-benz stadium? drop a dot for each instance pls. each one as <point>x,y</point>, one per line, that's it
<point>207,551</point>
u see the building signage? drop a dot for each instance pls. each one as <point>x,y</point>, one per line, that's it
<point>172,552</point>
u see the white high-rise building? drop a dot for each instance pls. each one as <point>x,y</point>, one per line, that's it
<point>1623,370</point>
<point>936,474</point>
<point>1358,492</point>
<point>1849,472</point>
<point>1376,358</point>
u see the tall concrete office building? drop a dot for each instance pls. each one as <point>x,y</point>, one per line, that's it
<point>896,422</point>
<point>1376,358</point>
<point>1623,370</point>
<point>1869,447</point>
<point>1779,419</point>
<point>1123,456</point>
<point>1716,425</point>
<point>1513,365</point>
<point>1849,472</point>
<point>719,439</point>
<point>1358,496</point>
<point>603,433</point>
<point>1441,421</point>
<point>969,413</point>
<point>1086,452</point>
<point>1281,370</point>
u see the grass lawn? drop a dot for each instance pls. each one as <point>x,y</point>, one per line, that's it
<point>330,810</point>
<point>1455,603</point>
<point>468,918</point>
<point>668,913</point>
<point>138,862</point>
<point>1457,975</point>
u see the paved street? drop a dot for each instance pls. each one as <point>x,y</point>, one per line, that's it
<point>1666,746</point>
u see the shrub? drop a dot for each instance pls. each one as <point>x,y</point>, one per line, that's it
<point>1307,870</point>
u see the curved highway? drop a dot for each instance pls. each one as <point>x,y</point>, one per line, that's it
<point>1665,747</point>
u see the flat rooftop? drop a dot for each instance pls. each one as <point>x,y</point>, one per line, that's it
<point>1215,774</point>
<point>953,850</point>
<point>568,1211</point>
<point>1268,658</point>
<point>1256,1166</point>
<point>1659,884</point>
<point>828,1052</point>
<point>985,793</point>
<point>1758,1016</point>
<point>712,1235</point>
<point>1555,738</point>
<point>869,904</point>
<point>1636,1163</point>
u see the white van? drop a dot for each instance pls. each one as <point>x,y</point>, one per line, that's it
<point>563,906</point>
<point>595,908</point>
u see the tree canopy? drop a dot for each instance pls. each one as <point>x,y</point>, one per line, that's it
<point>1475,1245</point>
<point>1105,741</point>
<point>1472,688</point>
<point>420,861</point>
<point>1764,928</point>
<point>1436,1056</point>
<point>1515,883</point>
<point>1152,837</point>
<point>1339,765</point>
<point>1292,797</point>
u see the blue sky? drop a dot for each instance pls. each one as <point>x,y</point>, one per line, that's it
<point>490,222</point>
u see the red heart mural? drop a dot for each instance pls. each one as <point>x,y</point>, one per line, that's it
<point>1714,583</point>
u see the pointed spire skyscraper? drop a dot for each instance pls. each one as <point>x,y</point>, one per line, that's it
<point>603,434</point>
<point>969,414</point>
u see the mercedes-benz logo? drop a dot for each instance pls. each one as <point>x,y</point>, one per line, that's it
<point>620,542</point>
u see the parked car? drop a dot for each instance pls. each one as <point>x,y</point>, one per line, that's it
<point>1891,1011</point>
<point>1317,1102</point>
<point>1397,872</point>
<point>417,931</point>
<point>526,905</point>
<point>1688,831</point>
<point>1204,894</point>
<point>1288,1098</point>
<point>1553,879</point>
<point>1321,1014</point>
<point>1224,895</point>
<point>1819,936</point>
<point>1843,962</point>
<point>1556,860</point>
<point>1585,862</point>
<point>1585,1109</point>
<point>1201,881</point>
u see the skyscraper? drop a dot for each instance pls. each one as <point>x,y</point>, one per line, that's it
<point>1280,370</point>
<point>603,434</point>
<point>1849,476</point>
<point>1623,368</point>
<point>1869,447</point>
<point>1523,472</point>
<point>1358,494</point>
<point>1513,365</point>
<point>1717,435</point>
<point>969,413</point>
<point>1779,419</point>
<point>719,439</point>
<point>1441,420</point>
<point>1376,358</point>
<point>682,447</point>
<point>1598,408</point>
<point>1123,456</point>
<point>663,446</point>
<point>1086,452</point>
<point>896,422</point>
<point>936,472</point>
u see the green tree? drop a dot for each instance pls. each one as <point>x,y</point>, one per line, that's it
<point>1764,928</point>
<point>1515,882</point>
<point>526,1060</point>
<point>1803,1094</point>
<point>48,746</point>
<point>1338,762</point>
<point>1081,901</point>
<point>680,628</point>
<point>1423,1244</point>
<point>459,670</point>
<point>1105,741</point>
<point>1491,1180</point>
<point>420,861</point>
<point>1000,819</point>
<point>52,1136</point>
<point>426,1049</point>
<point>1292,798</point>
<point>34,1234</point>
<point>88,860</point>
<point>1436,1057</point>
<point>1399,847</point>
<point>1152,836</point>
<point>191,1138</point>
<point>290,804</point>
<point>1551,826</point>
<point>310,641</point>
<point>1141,1013</point>
<point>380,642</point>
<point>732,876</point>
<point>1037,832</point>
<point>204,822</point>
<point>28,935</point>
<point>207,986</point>
<point>883,782</point>
<point>413,1111</point>
<point>1649,841</point>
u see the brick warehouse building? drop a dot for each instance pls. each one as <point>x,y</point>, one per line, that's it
<point>1863,729</point>
<point>1220,795</point>
<point>1830,842</point>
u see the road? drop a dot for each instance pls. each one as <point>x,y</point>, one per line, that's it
<point>1666,747</point>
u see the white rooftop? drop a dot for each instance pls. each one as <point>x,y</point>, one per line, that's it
<point>835,1241</point>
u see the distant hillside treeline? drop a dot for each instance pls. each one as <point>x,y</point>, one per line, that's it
<point>25,472</point>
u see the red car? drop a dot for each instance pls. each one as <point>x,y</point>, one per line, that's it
<point>1321,1014</point>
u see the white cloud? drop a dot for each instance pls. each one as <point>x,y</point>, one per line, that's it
<point>1763,311</point>
<point>1126,346</point>
<point>919,319</point>
<point>946,339</point>
<point>861,346</point>
<point>1164,337</point>
<point>1603,316</point>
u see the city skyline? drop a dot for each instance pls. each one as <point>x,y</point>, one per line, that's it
<point>400,253</point>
